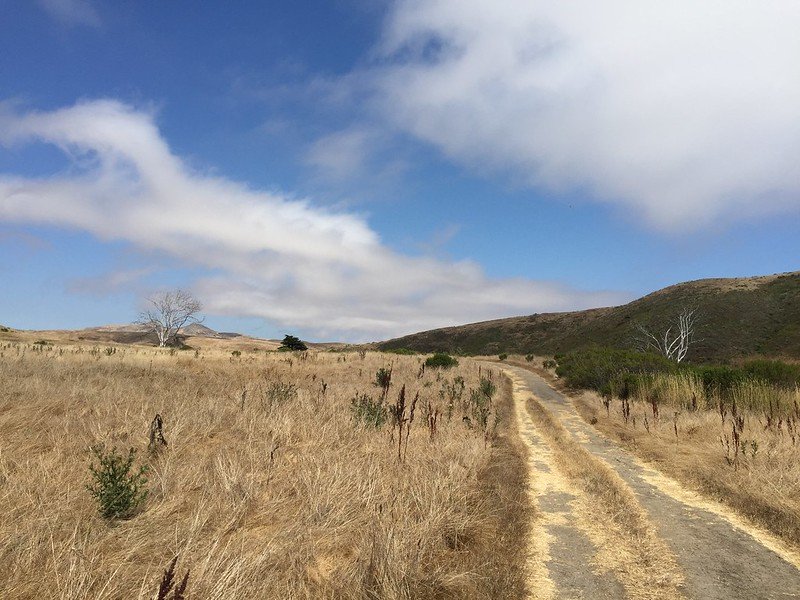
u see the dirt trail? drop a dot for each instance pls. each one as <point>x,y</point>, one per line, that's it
<point>564,551</point>
<point>718,559</point>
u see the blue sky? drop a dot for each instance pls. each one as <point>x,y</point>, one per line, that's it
<point>356,170</point>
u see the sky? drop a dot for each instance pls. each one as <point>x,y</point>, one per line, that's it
<point>354,170</point>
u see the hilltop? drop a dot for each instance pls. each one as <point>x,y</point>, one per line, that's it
<point>737,317</point>
<point>195,335</point>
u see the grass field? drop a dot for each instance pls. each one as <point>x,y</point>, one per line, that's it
<point>271,486</point>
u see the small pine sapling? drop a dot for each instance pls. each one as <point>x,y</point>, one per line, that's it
<point>117,487</point>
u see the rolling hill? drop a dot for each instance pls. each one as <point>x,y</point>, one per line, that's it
<point>196,336</point>
<point>739,317</point>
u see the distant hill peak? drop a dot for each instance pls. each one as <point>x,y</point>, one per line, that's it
<point>195,330</point>
<point>199,330</point>
<point>723,284</point>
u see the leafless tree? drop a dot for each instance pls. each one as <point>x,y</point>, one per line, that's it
<point>169,312</point>
<point>676,339</point>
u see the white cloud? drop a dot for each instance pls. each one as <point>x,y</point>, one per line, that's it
<point>359,154</point>
<point>686,112</point>
<point>268,255</point>
<point>72,12</point>
<point>342,154</point>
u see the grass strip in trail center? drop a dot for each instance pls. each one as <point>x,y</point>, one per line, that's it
<point>627,541</point>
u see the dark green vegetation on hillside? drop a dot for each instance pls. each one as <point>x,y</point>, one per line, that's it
<point>623,373</point>
<point>608,370</point>
<point>736,318</point>
<point>441,361</point>
<point>292,343</point>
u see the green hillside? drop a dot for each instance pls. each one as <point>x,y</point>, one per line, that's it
<point>736,318</point>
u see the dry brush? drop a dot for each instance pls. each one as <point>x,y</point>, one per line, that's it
<point>269,485</point>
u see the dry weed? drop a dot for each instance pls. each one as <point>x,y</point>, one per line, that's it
<point>744,458</point>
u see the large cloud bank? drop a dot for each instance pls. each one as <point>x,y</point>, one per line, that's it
<point>266,255</point>
<point>686,112</point>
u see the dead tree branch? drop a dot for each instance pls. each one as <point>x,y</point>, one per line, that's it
<point>676,339</point>
<point>170,312</point>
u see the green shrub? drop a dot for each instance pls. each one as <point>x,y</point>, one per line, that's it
<point>529,357</point>
<point>621,373</point>
<point>291,343</point>
<point>503,356</point>
<point>383,378</point>
<point>236,353</point>
<point>441,360</point>
<point>606,370</point>
<point>452,393</point>
<point>776,372</point>
<point>720,379</point>
<point>118,489</point>
<point>549,364</point>
<point>487,388</point>
<point>625,385</point>
<point>723,380</point>
<point>481,403</point>
<point>368,411</point>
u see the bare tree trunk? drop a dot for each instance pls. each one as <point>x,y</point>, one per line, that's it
<point>169,313</point>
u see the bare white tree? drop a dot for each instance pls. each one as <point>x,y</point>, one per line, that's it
<point>169,312</point>
<point>675,341</point>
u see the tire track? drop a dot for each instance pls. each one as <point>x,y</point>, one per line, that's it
<point>624,556</point>
<point>719,560</point>
<point>561,554</point>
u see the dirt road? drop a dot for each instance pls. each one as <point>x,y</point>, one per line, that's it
<point>717,555</point>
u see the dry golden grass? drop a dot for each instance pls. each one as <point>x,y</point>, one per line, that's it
<point>261,492</point>
<point>749,461</point>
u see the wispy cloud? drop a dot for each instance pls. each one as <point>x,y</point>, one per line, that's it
<point>342,154</point>
<point>72,12</point>
<point>110,283</point>
<point>685,113</point>
<point>359,154</point>
<point>266,255</point>
<point>30,242</point>
<point>436,244</point>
